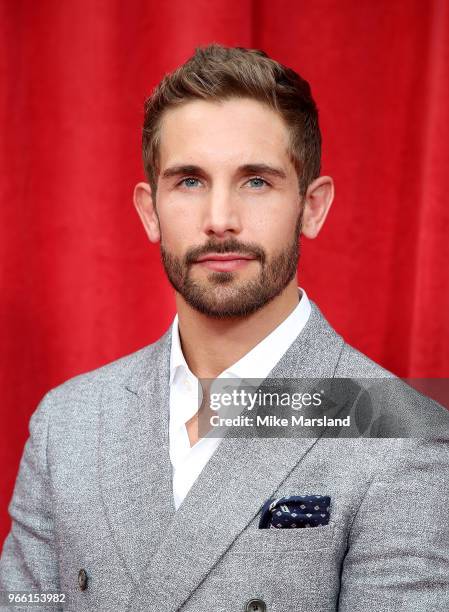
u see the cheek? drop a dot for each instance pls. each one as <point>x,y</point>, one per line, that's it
<point>273,229</point>
<point>177,232</point>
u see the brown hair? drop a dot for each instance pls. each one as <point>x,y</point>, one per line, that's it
<point>216,72</point>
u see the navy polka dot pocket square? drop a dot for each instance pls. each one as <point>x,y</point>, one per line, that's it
<point>295,511</point>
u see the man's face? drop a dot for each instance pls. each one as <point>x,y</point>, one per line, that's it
<point>227,188</point>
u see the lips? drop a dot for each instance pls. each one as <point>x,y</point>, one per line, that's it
<point>227,262</point>
<point>223,257</point>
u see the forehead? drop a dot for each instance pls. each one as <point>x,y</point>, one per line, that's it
<point>233,131</point>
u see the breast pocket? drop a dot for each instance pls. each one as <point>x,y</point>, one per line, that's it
<point>290,569</point>
<point>299,539</point>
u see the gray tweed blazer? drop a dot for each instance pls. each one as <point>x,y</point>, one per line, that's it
<point>94,493</point>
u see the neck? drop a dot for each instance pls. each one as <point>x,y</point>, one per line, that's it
<point>211,345</point>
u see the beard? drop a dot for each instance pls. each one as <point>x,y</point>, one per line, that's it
<point>222,295</point>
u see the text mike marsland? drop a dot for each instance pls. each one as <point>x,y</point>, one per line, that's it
<point>274,421</point>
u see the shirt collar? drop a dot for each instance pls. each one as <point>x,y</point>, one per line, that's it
<point>261,359</point>
<point>177,360</point>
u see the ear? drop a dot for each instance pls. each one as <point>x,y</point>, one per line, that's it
<point>143,201</point>
<point>317,202</point>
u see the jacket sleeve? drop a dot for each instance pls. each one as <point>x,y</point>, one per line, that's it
<point>398,549</point>
<point>29,560</point>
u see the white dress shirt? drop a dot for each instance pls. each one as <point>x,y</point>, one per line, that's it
<point>187,462</point>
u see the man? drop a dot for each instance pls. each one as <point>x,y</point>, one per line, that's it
<point>120,502</point>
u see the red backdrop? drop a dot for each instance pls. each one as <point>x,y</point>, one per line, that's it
<point>81,285</point>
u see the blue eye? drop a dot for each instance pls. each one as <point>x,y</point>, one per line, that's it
<point>188,184</point>
<point>257,178</point>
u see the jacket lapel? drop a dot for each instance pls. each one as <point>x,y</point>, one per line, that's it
<point>135,472</point>
<point>230,490</point>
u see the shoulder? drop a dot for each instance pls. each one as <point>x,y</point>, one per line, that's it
<point>87,388</point>
<point>352,362</point>
<point>114,373</point>
<point>396,407</point>
<point>393,406</point>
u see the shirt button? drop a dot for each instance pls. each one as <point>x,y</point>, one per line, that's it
<point>82,579</point>
<point>255,605</point>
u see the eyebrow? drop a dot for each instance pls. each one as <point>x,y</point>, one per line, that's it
<point>245,169</point>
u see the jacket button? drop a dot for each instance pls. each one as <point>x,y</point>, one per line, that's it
<point>255,605</point>
<point>82,579</point>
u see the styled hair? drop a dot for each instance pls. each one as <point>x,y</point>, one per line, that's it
<point>219,73</point>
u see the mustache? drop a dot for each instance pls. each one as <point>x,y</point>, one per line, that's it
<point>231,246</point>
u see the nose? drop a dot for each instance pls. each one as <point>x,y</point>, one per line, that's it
<point>222,214</point>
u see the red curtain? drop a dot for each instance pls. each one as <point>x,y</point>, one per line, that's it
<point>81,285</point>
